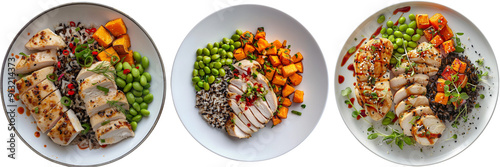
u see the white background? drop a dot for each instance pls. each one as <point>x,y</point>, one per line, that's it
<point>330,22</point>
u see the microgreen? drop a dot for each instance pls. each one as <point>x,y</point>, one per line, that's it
<point>395,137</point>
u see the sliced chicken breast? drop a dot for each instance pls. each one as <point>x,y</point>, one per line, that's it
<point>242,122</point>
<point>51,101</point>
<point>243,65</point>
<point>35,61</point>
<point>105,116</point>
<point>372,59</point>
<point>103,66</point>
<point>103,102</point>
<point>114,132</point>
<point>428,129</point>
<point>66,129</point>
<point>29,81</point>
<point>234,130</point>
<point>33,97</point>
<point>51,117</point>
<point>417,67</point>
<point>45,39</point>
<point>377,99</point>
<point>256,113</point>
<point>426,53</point>
<point>404,79</point>
<point>264,108</point>
<point>271,99</point>
<point>249,115</point>
<point>410,102</point>
<point>409,118</point>
<point>91,87</point>
<point>415,89</point>
<point>260,108</point>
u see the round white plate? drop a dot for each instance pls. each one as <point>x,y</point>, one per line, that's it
<point>88,14</point>
<point>467,132</point>
<point>267,142</point>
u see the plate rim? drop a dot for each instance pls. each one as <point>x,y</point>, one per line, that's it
<point>112,9</point>
<point>315,43</point>
<point>409,4</point>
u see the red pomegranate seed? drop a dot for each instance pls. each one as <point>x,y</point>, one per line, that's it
<point>71,92</point>
<point>126,71</point>
<point>71,45</point>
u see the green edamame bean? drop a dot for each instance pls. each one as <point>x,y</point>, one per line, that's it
<point>229,61</point>
<point>389,31</point>
<point>195,80</point>
<point>412,24</point>
<point>381,19</point>
<point>129,78</point>
<point>210,46</point>
<point>225,40</point>
<point>410,31</point>
<point>225,47</point>
<point>412,44</point>
<point>402,20</point>
<point>206,86</point>
<point>211,65</point>
<point>137,79</point>
<point>396,47</point>
<point>201,72</point>
<point>136,106</point>
<point>137,57</point>
<point>385,36</point>
<point>148,76</point>
<point>198,58</point>
<point>223,53</point>
<point>401,50</point>
<point>130,97</point>
<point>127,87</point>
<point>206,59</point>
<point>207,70</point>
<point>144,105</point>
<point>121,75</point>
<point>196,66</point>
<point>411,16</point>
<point>230,55</point>
<point>399,41</point>
<point>398,34</point>
<point>383,30</point>
<point>149,97</point>
<point>239,32</point>
<point>145,112</point>
<point>201,64</point>
<point>403,27</point>
<point>133,125</point>
<point>391,38</point>
<point>146,91</point>
<point>407,37</point>
<point>231,41</point>
<point>141,69</point>
<point>206,52</point>
<point>195,73</point>
<point>216,44</point>
<point>126,65</point>
<point>405,43</point>
<point>199,51</point>
<point>144,81</point>
<point>147,86</point>
<point>217,65</point>
<point>415,37</point>
<point>215,72</point>
<point>137,86</point>
<point>200,84</point>
<point>137,118</point>
<point>420,32</point>
<point>139,99</point>
<point>145,62</point>
<point>197,88</point>
<point>390,23</point>
<point>137,93</point>
<point>120,82</point>
<point>231,48</point>
<point>132,111</point>
<point>220,50</point>
<point>215,56</point>
<point>119,66</point>
<point>135,72</point>
<point>235,37</point>
<point>222,72</point>
<point>214,51</point>
<point>237,44</point>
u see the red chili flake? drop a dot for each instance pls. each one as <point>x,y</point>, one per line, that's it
<point>72,24</point>
<point>137,67</point>
<point>65,52</point>
<point>59,64</point>
<point>249,125</point>
<point>246,108</point>
<point>71,45</point>
<point>71,92</point>
<point>71,86</point>
<point>249,71</point>
<point>94,53</point>
<point>238,97</point>
<point>126,71</point>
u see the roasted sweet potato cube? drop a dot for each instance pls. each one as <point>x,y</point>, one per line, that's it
<point>422,21</point>
<point>116,27</point>
<point>459,66</point>
<point>276,120</point>
<point>261,34</point>
<point>239,54</point>
<point>260,59</point>
<point>298,96</point>
<point>287,90</point>
<point>103,37</point>
<point>300,67</point>
<point>249,49</point>
<point>448,72</point>
<point>297,57</point>
<point>276,43</point>
<point>286,102</point>
<point>448,46</point>
<point>272,50</point>
<point>106,55</point>
<point>122,44</point>
<point>246,38</point>
<point>277,89</point>
<point>429,33</point>
<point>437,40</point>
<point>285,59</point>
<point>446,32</point>
<point>283,51</point>
<point>275,61</point>
<point>283,112</point>
<point>462,80</point>
<point>269,72</point>
<point>289,70</point>
<point>279,80</point>
<point>438,21</point>
<point>129,57</point>
<point>262,44</point>
<point>440,85</point>
<point>295,79</point>
<point>441,98</point>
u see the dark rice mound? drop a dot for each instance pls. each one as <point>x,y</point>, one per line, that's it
<point>448,112</point>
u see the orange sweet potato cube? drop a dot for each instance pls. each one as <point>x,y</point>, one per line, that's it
<point>260,59</point>
<point>116,27</point>
<point>287,90</point>
<point>440,85</point>
<point>286,102</point>
<point>448,46</point>
<point>422,21</point>
<point>437,40</point>
<point>276,120</point>
<point>261,34</point>
<point>429,33</point>
<point>295,79</point>
<point>269,72</point>
<point>300,67</point>
<point>272,50</point>
<point>246,38</point>
<point>297,57</point>
<point>279,80</point>
<point>441,98</point>
<point>239,54</point>
<point>249,49</point>
<point>276,43</point>
<point>285,59</point>
<point>458,65</point>
<point>438,21</point>
<point>288,70</point>
<point>298,96</point>
<point>122,44</point>
<point>446,32</point>
<point>106,55</point>
<point>283,112</point>
<point>103,37</point>
<point>275,61</point>
<point>262,44</point>
<point>128,57</point>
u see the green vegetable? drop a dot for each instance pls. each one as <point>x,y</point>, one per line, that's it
<point>381,19</point>
<point>66,101</point>
<point>411,17</point>
<point>137,86</point>
<point>130,97</point>
<point>402,20</point>
<point>149,97</point>
<point>133,124</point>
<point>145,112</point>
<point>390,23</point>
<point>119,66</point>
<point>135,72</point>
<point>346,91</point>
<point>144,80</point>
<point>105,90</point>
<point>137,118</point>
<point>296,113</point>
<point>145,62</point>
<point>390,31</point>
<point>127,87</point>
<point>120,82</point>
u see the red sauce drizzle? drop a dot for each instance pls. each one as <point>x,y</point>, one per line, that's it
<point>37,134</point>
<point>28,112</point>
<point>83,148</point>
<point>347,55</point>
<point>402,10</point>
<point>376,32</point>
<point>341,79</point>
<point>17,56</point>
<point>351,68</point>
<point>20,110</point>
<point>104,146</point>
<point>44,145</point>
<point>363,113</point>
<point>352,101</point>
<point>16,96</point>
<point>12,54</point>
<point>28,33</point>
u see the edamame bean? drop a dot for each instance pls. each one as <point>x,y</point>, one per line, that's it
<point>141,69</point>
<point>223,53</point>
<point>215,72</point>
<point>390,31</point>
<point>239,32</point>
<point>136,106</point>
<point>385,36</point>
<point>214,51</point>
<point>217,65</point>
<point>145,62</point>
<point>396,47</point>
<point>222,72</point>
<point>383,30</point>
<point>119,66</point>
<point>201,72</point>
<point>198,58</point>
<point>196,79</point>
<point>211,65</point>
<point>145,112</point>
<point>412,24</point>
<point>402,20</point>
<point>411,16</point>
<point>137,118</point>
<point>220,50</point>
<point>210,46</point>
<point>399,41</point>
<point>206,59</point>
<point>235,37</point>
<point>231,48</point>
<point>132,111</point>
<point>149,97</point>
<point>197,88</point>
<point>147,86</point>
<point>381,19</point>
<point>196,66</point>
<point>137,93</point>
<point>207,70</point>
<point>199,51</point>
<point>130,97</point>
<point>405,43</point>
<point>200,84</point>
<point>216,44</point>
<point>230,55</point>
<point>225,47</point>
<point>201,64</point>
<point>144,105</point>
<point>126,65</point>
<point>144,81</point>
<point>225,40</point>
<point>133,125</point>
<point>229,61</point>
<point>135,72</point>
<point>206,52</point>
<point>121,75</point>
<point>420,31</point>
<point>412,44</point>
<point>139,99</point>
<point>137,86</point>
<point>231,41</point>
<point>401,50</point>
<point>410,31</point>
<point>403,28</point>
<point>398,34</point>
<point>215,56</point>
<point>390,23</point>
<point>237,44</point>
<point>195,73</point>
<point>391,38</point>
<point>127,87</point>
<point>206,86</point>
<point>137,57</point>
<point>415,37</point>
<point>120,82</point>
<point>129,78</point>
<point>145,91</point>
<point>148,76</point>
<point>407,37</point>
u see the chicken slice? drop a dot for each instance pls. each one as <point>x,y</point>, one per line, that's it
<point>270,96</point>
<point>377,99</point>
<point>66,129</point>
<point>47,104</point>
<point>249,115</point>
<point>45,39</point>
<point>261,117</point>
<point>104,67</point>
<point>404,79</point>
<point>417,67</point>
<point>33,97</point>
<point>256,113</point>
<point>426,53</point>
<point>372,59</point>
<point>234,130</point>
<point>408,119</point>
<point>242,122</point>
<point>35,61</point>
<point>105,116</point>
<point>29,81</point>
<point>428,129</point>
<point>410,102</point>
<point>415,89</point>
<point>50,118</point>
<point>103,102</point>
<point>113,132</point>
<point>263,108</point>
<point>90,87</point>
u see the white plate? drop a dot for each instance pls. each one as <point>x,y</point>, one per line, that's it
<point>419,155</point>
<point>88,14</point>
<point>267,142</point>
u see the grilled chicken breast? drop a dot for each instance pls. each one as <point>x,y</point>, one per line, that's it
<point>409,118</point>
<point>415,89</point>
<point>240,120</point>
<point>98,66</point>
<point>428,130</point>
<point>66,129</point>
<point>101,103</point>
<point>50,118</point>
<point>105,116</point>
<point>44,108</point>
<point>45,39</point>
<point>410,102</point>
<point>426,53</point>
<point>404,79</point>
<point>418,68</point>
<point>234,130</point>
<point>33,97</point>
<point>113,132</point>
<point>90,87</point>
<point>35,61</point>
<point>29,81</point>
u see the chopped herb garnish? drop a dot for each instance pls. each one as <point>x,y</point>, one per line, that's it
<point>105,122</point>
<point>105,90</point>
<point>303,105</point>
<point>296,113</point>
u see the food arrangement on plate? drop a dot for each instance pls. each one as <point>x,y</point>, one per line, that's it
<point>414,86</point>
<point>82,84</point>
<point>242,97</point>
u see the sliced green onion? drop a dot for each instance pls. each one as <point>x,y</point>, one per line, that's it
<point>88,61</point>
<point>296,113</point>
<point>36,110</point>
<point>52,77</point>
<point>102,140</point>
<point>76,40</point>
<point>105,122</point>
<point>87,128</point>
<point>114,59</point>
<point>77,29</point>
<point>303,105</point>
<point>105,90</point>
<point>66,101</point>
<point>90,41</point>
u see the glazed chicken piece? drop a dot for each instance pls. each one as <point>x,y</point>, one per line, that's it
<point>107,115</point>
<point>66,129</point>
<point>90,87</point>
<point>33,97</point>
<point>45,39</point>
<point>405,79</point>
<point>410,102</point>
<point>98,66</point>
<point>426,53</point>
<point>29,81</point>
<point>415,89</point>
<point>376,100</point>
<point>114,132</point>
<point>409,118</point>
<point>427,130</point>
<point>418,68</point>
<point>35,61</point>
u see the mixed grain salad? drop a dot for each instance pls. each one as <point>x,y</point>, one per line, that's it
<point>82,84</point>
